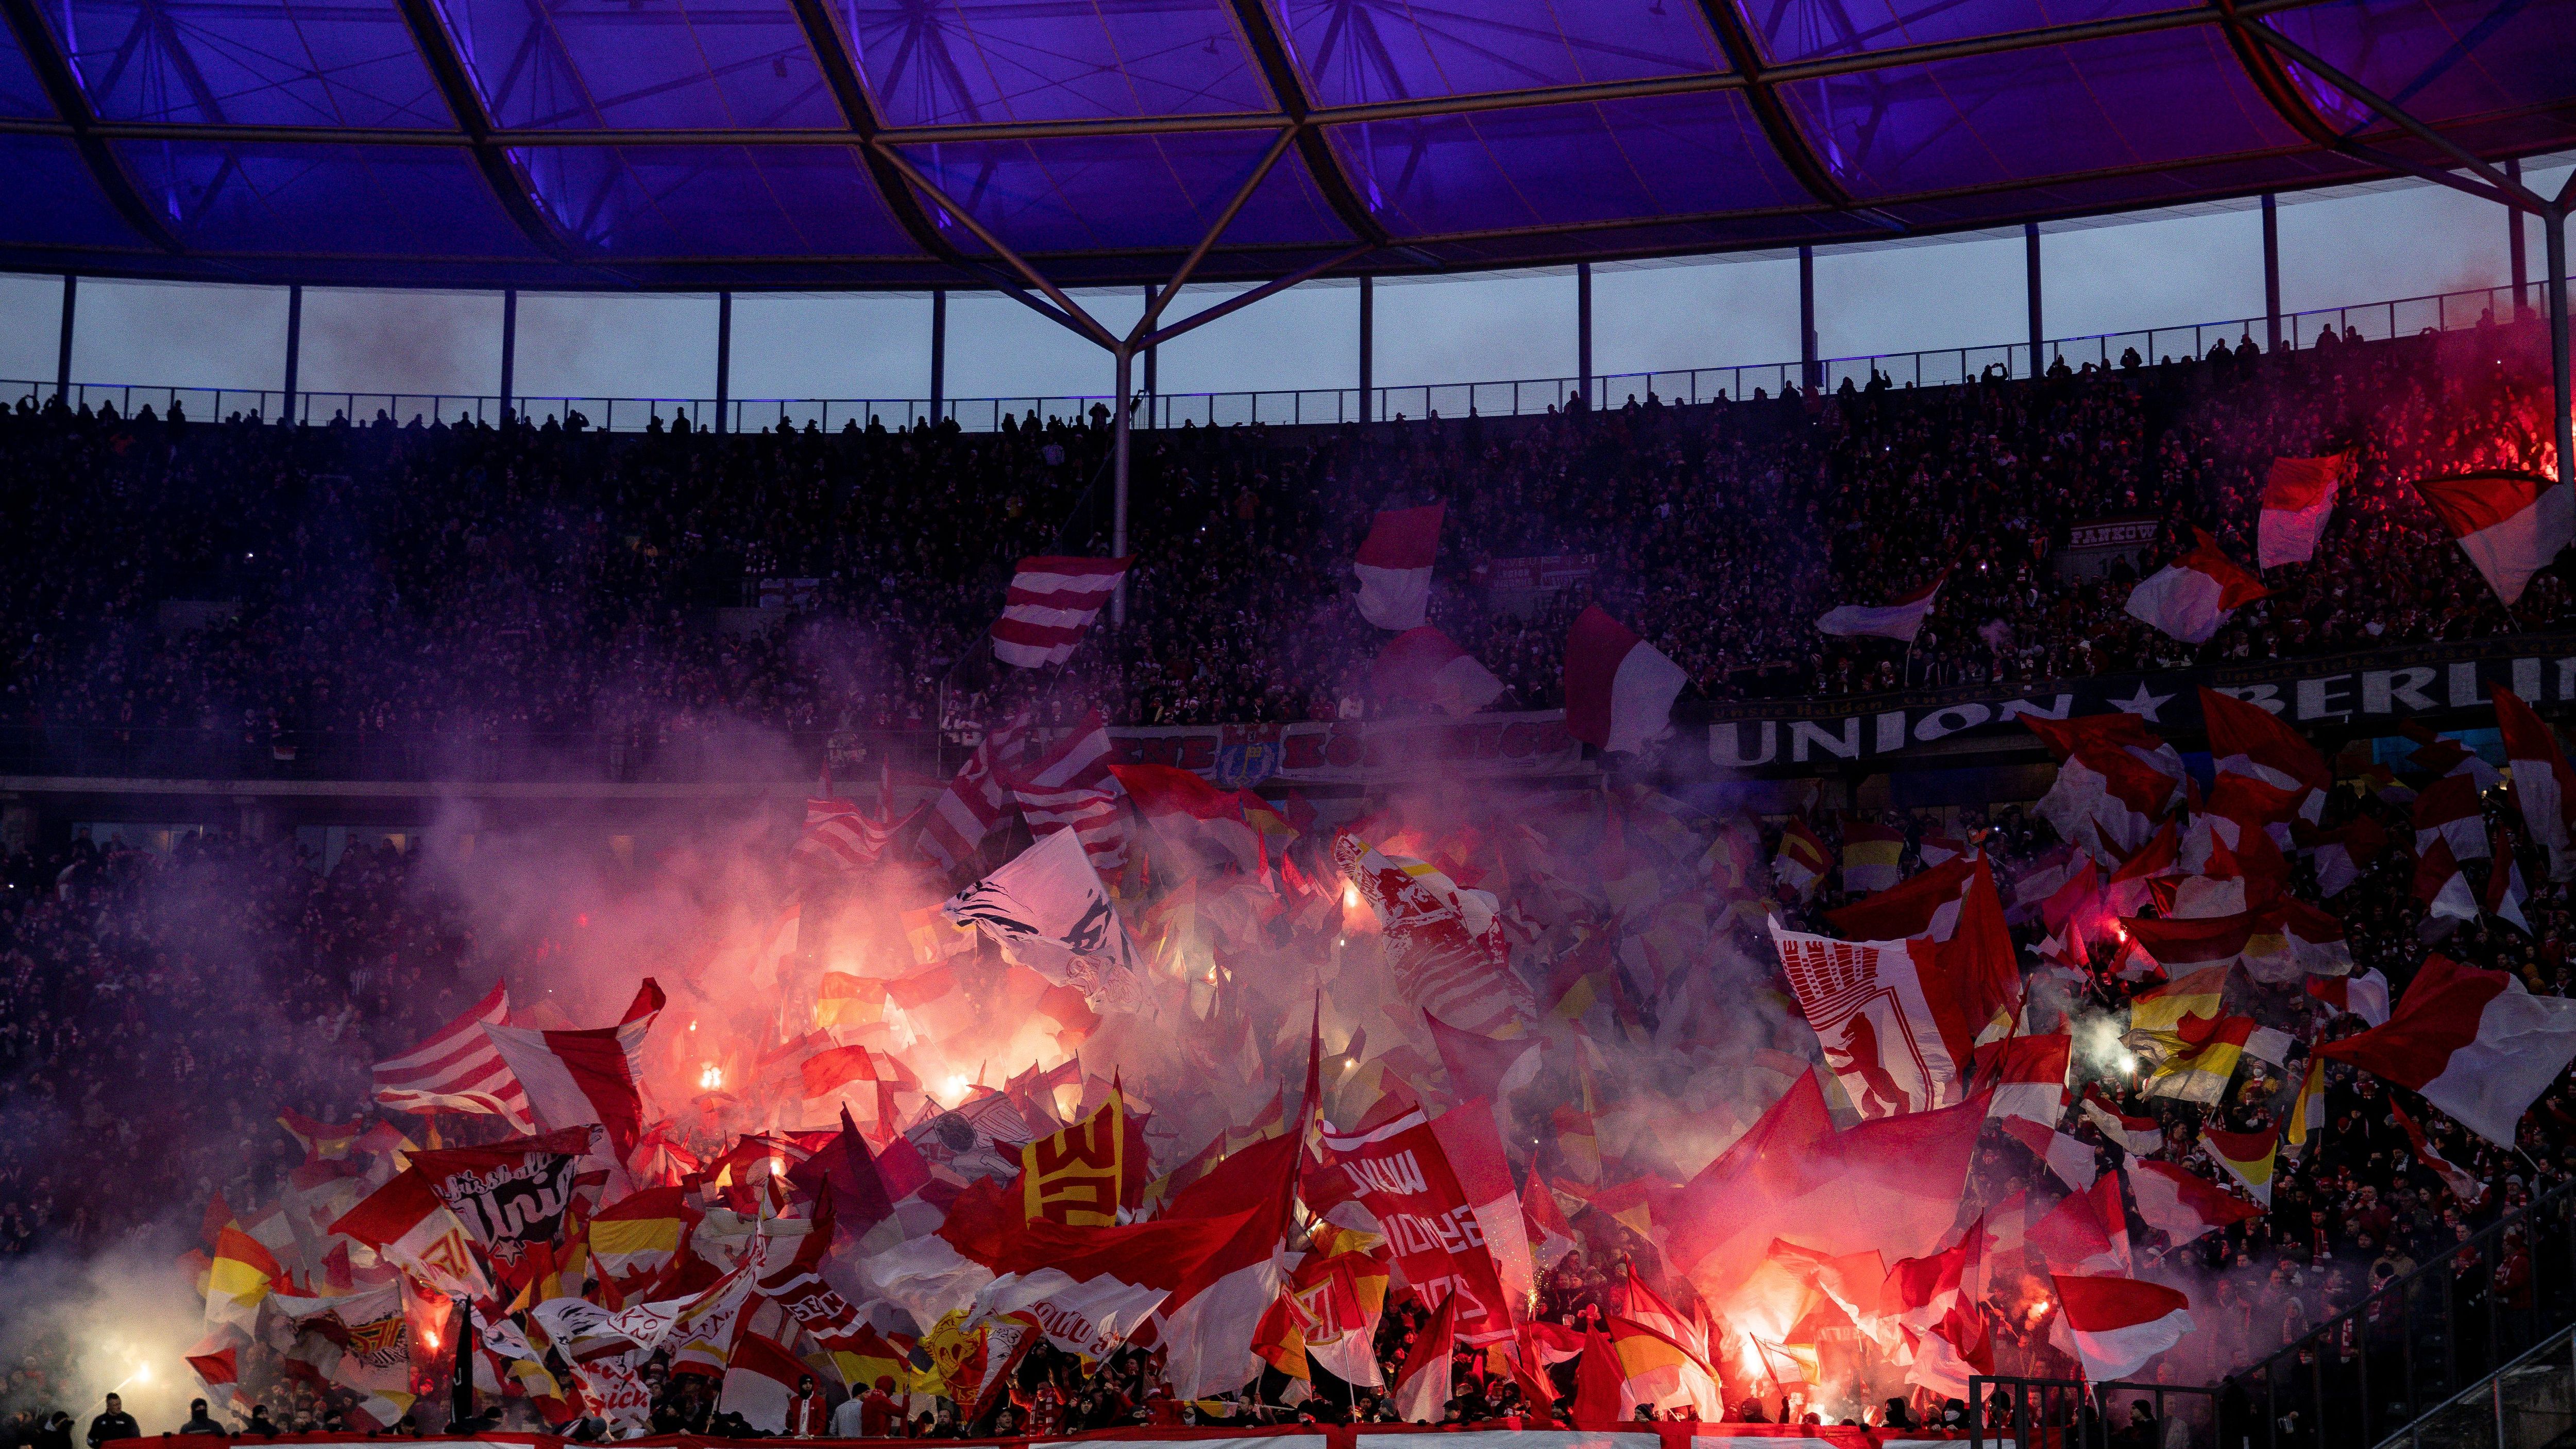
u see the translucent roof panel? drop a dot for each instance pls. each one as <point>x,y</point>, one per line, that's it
<point>21,94</point>
<point>954,62</point>
<point>2442,60</point>
<point>1795,30</point>
<point>1351,52</point>
<point>713,201</point>
<point>249,62</point>
<point>1546,165</point>
<point>2026,115</point>
<point>641,64</point>
<point>75,213</point>
<point>1124,193</point>
<point>702,144</point>
<point>376,201</point>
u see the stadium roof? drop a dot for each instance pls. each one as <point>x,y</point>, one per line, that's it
<point>706,144</point>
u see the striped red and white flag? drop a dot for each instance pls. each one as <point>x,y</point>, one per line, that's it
<point>458,1069</point>
<point>2298,498</point>
<point>974,802</point>
<point>1072,787</point>
<point>1052,600</point>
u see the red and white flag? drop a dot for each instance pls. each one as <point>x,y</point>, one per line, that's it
<point>1183,806</point>
<point>2463,1186</point>
<point>2116,782</point>
<point>1423,664</point>
<point>2505,890</point>
<point>2135,1135</point>
<point>1889,1019</point>
<point>2298,498</point>
<point>1422,1385</point>
<point>1619,689</point>
<point>578,1077</point>
<point>1071,787</point>
<point>2341,854</point>
<point>2087,1232</point>
<point>1401,1172</point>
<point>974,802</point>
<point>2248,1157</point>
<point>1394,566</point>
<point>2181,1206</point>
<point>2247,739</point>
<point>2114,1325</point>
<point>1926,903</point>
<point>2509,524</point>
<point>2543,786</point>
<point>1090,1288</point>
<point>2364,996</point>
<point>2071,1158</point>
<point>458,1070</point>
<point>1207,1323</point>
<point>1051,602</point>
<point>2449,811</point>
<point>760,1382</point>
<point>409,1227</point>
<point>1900,619</point>
<point>839,839</point>
<point>2194,595</point>
<point>2443,888</point>
<point>2472,1042</point>
<point>2028,1076</point>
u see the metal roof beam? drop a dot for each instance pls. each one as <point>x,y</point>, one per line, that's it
<point>861,117</point>
<point>54,72</point>
<point>1316,149</point>
<point>1778,127</point>
<point>1241,300</point>
<point>1181,277</point>
<point>2499,187</point>
<point>438,52</point>
<point>1082,321</point>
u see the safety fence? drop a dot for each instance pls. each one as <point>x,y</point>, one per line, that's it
<point>1508,397</point>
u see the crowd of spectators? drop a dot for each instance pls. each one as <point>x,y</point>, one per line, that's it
<point>416,582</point>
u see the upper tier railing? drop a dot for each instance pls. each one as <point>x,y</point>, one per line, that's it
<point>2404,316</point>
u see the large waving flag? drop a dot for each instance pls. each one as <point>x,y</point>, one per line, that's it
<point>1183,806</point>
<point>974,802</point>
<point>2298,499</point>
<point>1207,1321</point>
<point>1424,664</point>
<point>1619,689</point>
<point>2116,782</point>
<point>2509,524</point>
<point>2472,1042</point>
<point>409,1227</point>
<point>1888,1017</point>
<point>2543,786</point>
<point>1051,602</point>
<point>578,1077</point>
<point>1394,567</point>
<point>1049,912</point>
<point>1901,619</point>
<point>1071,787</point>
<point>2194,595</point>
<point>2181,1206</point>
<point>2247,739</point>
<point>458,1069</point>
<point>241,1278</point>
<point>2114,1325</point>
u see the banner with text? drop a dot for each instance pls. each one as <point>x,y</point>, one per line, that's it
<point>2374,691</point>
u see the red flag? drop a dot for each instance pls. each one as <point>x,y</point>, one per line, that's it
<point>1050,603</point>
<point>2509,524</point>
<point>458,1070</point>
<point>2192,596</point>
<point>2472,1042</point>
<point>1394,566</point>
<point>1619,690</point>
<point>1422,1385</point>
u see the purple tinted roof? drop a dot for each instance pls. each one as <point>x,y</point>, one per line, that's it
<point>893,143</point>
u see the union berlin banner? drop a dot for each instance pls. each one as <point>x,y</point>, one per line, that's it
<point>1400,1173</point>
<point>2373,690</point>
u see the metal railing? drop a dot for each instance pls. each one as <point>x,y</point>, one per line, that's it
<point>1509,397</point>
<point>2028,1413</point>
<point>2404,1361</point>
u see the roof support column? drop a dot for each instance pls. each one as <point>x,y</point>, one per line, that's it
<point>294,347</point>
<point>2517,248</point>
<point>1809,374</point>
<point>1583,328</point>
<point>724,360</point>
<point>2271,274</point>
<point>938,354</point>
<point>2553,240</point>
<point>1150,353</point>
<point>509,346</point>
<point>2031,292</point>
<point>63,353</point>
<point>1118,429</point>
<point>1368,349</point>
